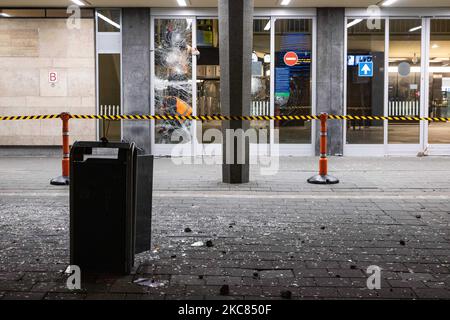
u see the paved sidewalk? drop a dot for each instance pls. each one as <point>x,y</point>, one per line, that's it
<point>276,237</point>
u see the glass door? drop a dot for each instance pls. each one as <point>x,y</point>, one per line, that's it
<point>365,92</point>
<point>173,88</point>
<point>186,81</point>
<point>416,83</point>
<point>293,83</point>
<point>261,84</point>
<point>405,82</point>
<point>438,135</point>
<point>209,133</point>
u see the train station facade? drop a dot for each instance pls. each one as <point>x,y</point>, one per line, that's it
<point>368,60</point>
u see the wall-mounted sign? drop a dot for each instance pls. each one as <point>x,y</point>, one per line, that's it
<point>353,60</point>
<point>365,69</point>
<point>282,82</point>
<point>290,58</point>
<point>53,77</point>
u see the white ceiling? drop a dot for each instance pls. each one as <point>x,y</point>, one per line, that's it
<point>213,3</point>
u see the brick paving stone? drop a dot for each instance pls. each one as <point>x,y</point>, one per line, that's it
<point>209,290</point>
<point>297,282</point>
<point>223,280</point>
<point>24,296</point>
<point>311,273</point>
<point>246,290</point>
<point>435,293</point>
<point>270,274</point>
<point>358,293</point>
<point>347,273</point>
<point>406,284</point>
<point>126,286</point>
<point>19,285</point>
<point>64,296</point>
<point>396,293</point>
<point>275,233</point>
<point>12,276</point>
<point>44,286</point>
<point>186,280</point>
<point>322,292</point>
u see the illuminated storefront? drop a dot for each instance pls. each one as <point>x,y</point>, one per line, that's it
<point>410,57</point>
<point>395,65</point>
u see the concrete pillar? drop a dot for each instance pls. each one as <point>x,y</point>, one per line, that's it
<point>330,74</point>
<point>136,74</point>
<point>235,42</point>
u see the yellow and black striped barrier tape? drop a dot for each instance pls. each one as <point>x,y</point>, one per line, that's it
<point>37,117</point>
<point>224,118</point>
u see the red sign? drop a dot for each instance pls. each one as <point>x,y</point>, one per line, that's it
<point>52,77</point>
<point>290,58</point>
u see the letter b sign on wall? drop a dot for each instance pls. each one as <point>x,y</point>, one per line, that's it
<point>52,77</point>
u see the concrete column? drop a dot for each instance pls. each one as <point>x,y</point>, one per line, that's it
<point>330,74</point>
<point>235,42</point>
<point>136,74</point>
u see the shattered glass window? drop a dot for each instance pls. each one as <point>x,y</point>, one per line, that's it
<point>173,79</point>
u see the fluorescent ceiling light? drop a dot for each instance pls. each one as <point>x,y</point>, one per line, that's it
<point>285,2</point>
<point>388,3</point>
<point>267,27</point>
<point>182,3</point>
<point>415,29</point>
<point>79,3</point>
<point>108,20</point>
<point>354,22</point>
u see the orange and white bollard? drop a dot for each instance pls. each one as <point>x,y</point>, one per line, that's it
<point>323,177</point>
<point>63,180</point>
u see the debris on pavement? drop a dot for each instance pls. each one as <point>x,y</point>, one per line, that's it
<point>198,244</point>
<point>225,290</point>
<point>152,283</point>
<point>286,294</point>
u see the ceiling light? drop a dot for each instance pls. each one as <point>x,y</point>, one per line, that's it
<point>267,27</point>
<point>79,3</point>
<point>435,46</point>
<point>388,3</point>
<point>285,2</point>
<point>415,29</point>
<point>5,15</point>
<point>108,20</point>
<point>354,22</point>
<point>182,3</point>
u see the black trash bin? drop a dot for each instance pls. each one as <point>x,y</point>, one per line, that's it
<point>103,206</point>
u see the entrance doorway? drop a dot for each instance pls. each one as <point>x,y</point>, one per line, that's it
<point>409,58</point>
